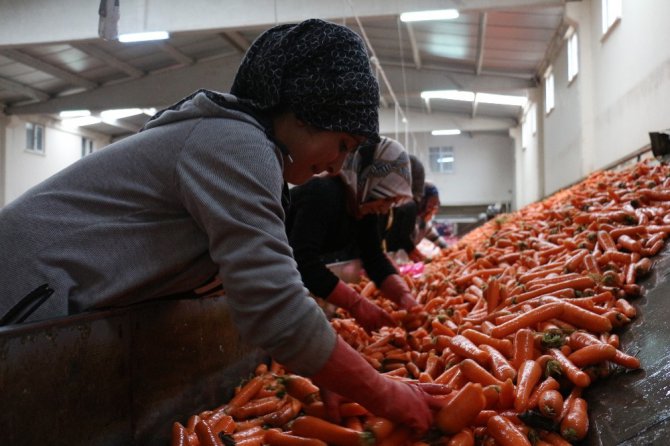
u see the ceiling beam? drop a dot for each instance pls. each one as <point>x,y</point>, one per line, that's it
<point>236,40</point>
<point>416,56</point>
<point>420,121</point>
<point>48,68</point>
<point>30,22</point>
<point>98,53</point>
<point>157,89</point>
<point>25,90</point>
<point>174,53</point>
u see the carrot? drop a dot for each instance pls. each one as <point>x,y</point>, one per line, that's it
<point>629,244</point>
<point>528,319</point>
<point>643,266</point>
<point>312,427</point>
<point>477,337</point>
<point>464,347</point>
<point>284,414</point>
<point>300,388</point>
<point>575,423</point>
<point>592,354</point>
<point>548,384</point>
<point>245,394</point>
<point>220,422</point>
<point>501,368</point>
<point>585,318</point>
<point>205,435</point>
<point>492,294</point>
<point>523,347</point>
<point>626,308</point>
<point>476,373</point>
<point>463,438</point>
<point>579,283</point>
<point>582,339</point>
<point>379,427</point>
<point>179,435</point>
<point>506,396</point>
<point>550,403</point>
<point>576,376</point>
<point>529,375</point>
<point>555,440</point>
<point>462,409</point>
<point>352,410</point>
<point>605,240</point>
<point>398,437</point>
<point>275,437</point>
<point>505,432</point>
<point>191,422</point>
<point>257,407</point>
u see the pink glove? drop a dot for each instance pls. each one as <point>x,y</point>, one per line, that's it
<point>349,375</point>
<point>395,288</point>
<point>366,313</point>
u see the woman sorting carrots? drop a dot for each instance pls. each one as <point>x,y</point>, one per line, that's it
<point>329,213</point>
<point>200,192</point>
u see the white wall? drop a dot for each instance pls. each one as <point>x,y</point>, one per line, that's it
<point>23,169</point>
<point>483,168</point>
<point>528,159</point>
<point>621,93</point>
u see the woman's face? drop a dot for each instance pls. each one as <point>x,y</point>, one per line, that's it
<point>312,150</point>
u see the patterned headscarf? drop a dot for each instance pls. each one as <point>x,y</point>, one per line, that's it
<point>387,174</point>
<point>319,70</point>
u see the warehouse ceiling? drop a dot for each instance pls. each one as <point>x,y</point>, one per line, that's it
<point>52,60</point>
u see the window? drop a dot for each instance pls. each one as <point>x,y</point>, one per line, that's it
<point>611,13</point>
<point>573,57</point>
<point>549,91</point>
<point>86,146</point>
<point>441,159</point>
<point>34,137</point>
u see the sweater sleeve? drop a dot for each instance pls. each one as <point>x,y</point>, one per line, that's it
<point>308,230</point>
<point>232,187</point>
<point>377,265</point>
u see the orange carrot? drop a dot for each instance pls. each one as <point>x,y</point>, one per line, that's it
<point>578,377</point>
<point>463,438</point>
<point>205,435</point>
<point>300,388</point>
<point>257,407</point>
<point>275,437</point>
<point>398,437</point>
<point>579,283</point>
<point>529,375</point>
<point>592,354</point>
<point>379,427</point>
<point>464,347</point>
<point>504,346</point>
<point>575,423</point>
<point>501,368</point>
<point>528,319</point>
<point>246,392</point>
<point>548,384</point>
<point>312,427</point>
<point>505,432</point>
<point>179,435</point>
<point>476,373</point>
<point>462,409</point>
<point>523,347</point>
<point>585,318</point>
<point>550,403</point>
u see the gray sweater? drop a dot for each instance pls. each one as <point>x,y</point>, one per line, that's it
<point>197,193</point>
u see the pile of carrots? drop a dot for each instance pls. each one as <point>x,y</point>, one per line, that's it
<point>516,320</point>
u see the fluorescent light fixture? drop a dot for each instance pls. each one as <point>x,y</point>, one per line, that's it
<point>501,99</point>
<point>73,114</point>
<point>454,95</point>
<point>81,121</point>
<point>469,96</point>
<point>120,113</point>
<point>445,132</point>
<point>446,159</point>
<point>143,37</point>
<point>437,14</point>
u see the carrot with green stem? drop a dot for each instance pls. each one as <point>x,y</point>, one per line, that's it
<point>245,394</point>
<point>300,388</point>
<point>575,423</point>
<point>571,371</point>
<point>528,319</point>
